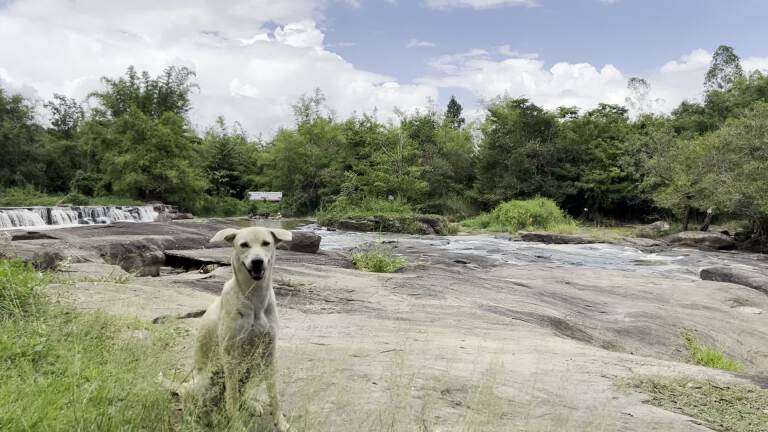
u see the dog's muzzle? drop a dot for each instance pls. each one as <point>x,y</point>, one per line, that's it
<point>256,269</point>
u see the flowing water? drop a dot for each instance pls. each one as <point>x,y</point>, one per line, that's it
<point>485,250</point>
<point>57,217</point>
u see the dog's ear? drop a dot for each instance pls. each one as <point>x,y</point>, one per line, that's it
<point>227,235</point>
<point>281,235</point>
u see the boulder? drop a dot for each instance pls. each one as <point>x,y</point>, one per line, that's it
<point>747,278</point>
<point>551,238</point>
<point>303,241</point>
<point>363,225</point>
<point>5,243</point>
<point>655,229</point>
<point>702,240</point>
<point>645,244</point>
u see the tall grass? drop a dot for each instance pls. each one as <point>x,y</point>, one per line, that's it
<point>20,288</point>
<point>532,214</point>
<point>29,197</point>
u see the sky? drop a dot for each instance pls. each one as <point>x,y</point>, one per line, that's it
<point>254,58</point>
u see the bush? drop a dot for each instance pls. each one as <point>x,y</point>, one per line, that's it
<point>19,289</point>
<point>347,208</point>
<point>23,197</point>
<point>513,216</point>
<point>378,260</point>
<point>76,199</point>
<point>264,209</point>
<point>222,206</point>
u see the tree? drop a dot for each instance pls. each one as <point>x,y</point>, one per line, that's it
<point>168,92</point>
<point>66,115</point>
<point>724,70</point>
<point>517,152</point>
<point>21,141</point>
<point>230,161</point>
<point>639,100</point>
<point>453,114</point>
<point>154,159</point>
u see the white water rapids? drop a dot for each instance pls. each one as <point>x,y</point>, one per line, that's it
<point>48,217</point>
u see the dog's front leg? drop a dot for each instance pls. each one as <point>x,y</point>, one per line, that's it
<point>281,424</point>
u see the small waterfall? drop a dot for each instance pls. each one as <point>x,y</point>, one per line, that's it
<point>147,214</point>
<point>64,217</point>
<point>40,217</point>
<point>20,218</point>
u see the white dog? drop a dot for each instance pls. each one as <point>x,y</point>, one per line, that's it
<point>239,329</point>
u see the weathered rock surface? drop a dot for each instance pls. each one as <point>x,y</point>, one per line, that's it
<point>302,241</point>
<point>655,229</point>
<point>137,248</point>
<point>702,240</point>
<point>551,238</point>
<point>751,279</point>
<point>644,243</point>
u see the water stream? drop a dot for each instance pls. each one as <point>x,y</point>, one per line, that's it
<point>681,263</point>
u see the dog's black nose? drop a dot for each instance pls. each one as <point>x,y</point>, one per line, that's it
<point>257,265</point>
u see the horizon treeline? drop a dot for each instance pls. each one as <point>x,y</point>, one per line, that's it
<point>138,143</point>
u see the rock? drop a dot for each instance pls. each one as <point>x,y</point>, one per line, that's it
<point>702,240</point>
<point>643,243</point>
<point>354,225</point>
<point>655,229</point>
<point>32,235</point>
<point>303,241</point>
<point>179,216</point>
<point>736,276</point>
<point>5,244</point>
<point>550,238</point>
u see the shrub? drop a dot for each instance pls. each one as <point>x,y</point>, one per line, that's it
<point>76,199</point>
<point>378,260</point>
<point>707,356</point>
<point>22,197</point>
<point>222,206</point>
<point>513,216</point>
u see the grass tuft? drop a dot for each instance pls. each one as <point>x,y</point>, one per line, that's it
<point>344,208</point>
<point>378,260</point>
<point>708,356</point>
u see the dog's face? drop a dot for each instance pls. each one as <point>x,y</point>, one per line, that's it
<point>254,247</point>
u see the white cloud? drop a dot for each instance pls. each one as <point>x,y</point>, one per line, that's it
<point>248,70</point>
<point>478,4</point>
<point>416,43</point>
<point>580,84</point>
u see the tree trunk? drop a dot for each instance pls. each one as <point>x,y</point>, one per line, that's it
<point>686,217</point>
<point>707,220</point>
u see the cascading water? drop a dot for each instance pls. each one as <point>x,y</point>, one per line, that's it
<point>64,217</point>
<point>19,218</point>
<point>41,217</point>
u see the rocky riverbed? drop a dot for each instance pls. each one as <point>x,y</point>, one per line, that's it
<point>551,328</point>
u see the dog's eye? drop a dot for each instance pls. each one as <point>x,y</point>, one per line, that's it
<point>265,243</point>
<point>244,245</point>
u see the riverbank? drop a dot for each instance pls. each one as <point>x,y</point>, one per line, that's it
<point>477,333</point>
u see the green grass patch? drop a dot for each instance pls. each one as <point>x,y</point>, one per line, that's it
<point>378,260</point>
<point>19,289</point>
<point>532,214</point>
<point>733,408</point>
<point>28,197</point>
<point>709,356</point>
<point>345,208</point>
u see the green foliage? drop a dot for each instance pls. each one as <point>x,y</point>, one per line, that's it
<point>724,70</point>
<point>21,143</point>
<point>28,197</point>
<point>20,286</point>
<point>453,114</point>
<point>68,370</point>
<point>734,408</point>
<point>378,260</point>
<point>707,356</point>
<point>207,205</point>
<point>513,216</point>
<point>347,208</point>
